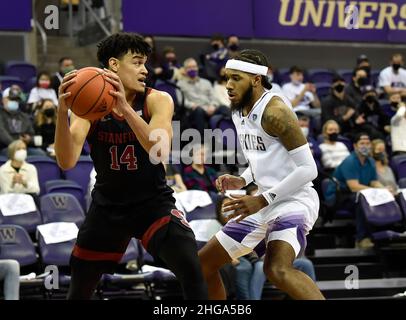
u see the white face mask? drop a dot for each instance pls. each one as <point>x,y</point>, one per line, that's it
<point>305,131</point>
<point>20,155</point>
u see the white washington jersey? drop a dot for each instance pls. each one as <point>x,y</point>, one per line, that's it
<point>268,159</point>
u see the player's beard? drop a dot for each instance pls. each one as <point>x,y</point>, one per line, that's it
<point>245,100</point>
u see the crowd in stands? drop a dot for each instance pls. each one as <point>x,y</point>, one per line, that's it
<point>355,122</point>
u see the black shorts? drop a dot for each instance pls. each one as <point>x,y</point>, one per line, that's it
<point>107,230</point>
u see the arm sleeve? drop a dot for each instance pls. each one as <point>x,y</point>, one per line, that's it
<point>305,172</point>
<point>247,175</point>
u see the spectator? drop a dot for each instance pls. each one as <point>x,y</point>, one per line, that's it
<point>174,179</point>
<point>42,90</point>
<point>198,94</point>
<point>10,275</point>
<point>393,78</point>
<point>302,96</point>
<point>219,56</point>
<point>333,152</point>
<point>233,45</point>
<point>370,117</point>
<point>398,126</point>
<point>199,176</point>
<point>65,65</point>
<point>153,64</point>
<point>275,87</point>
<point>171,70</point>
<point>364,64</point>
<point>359,80</point>
<point>16,175</point>
<point>45,123</point>
<point>17,93</point>
<point>15,124</point>
<point>338,106</point>
<point>385,173</point>
<point>357,172</point>
<point>304,123</point>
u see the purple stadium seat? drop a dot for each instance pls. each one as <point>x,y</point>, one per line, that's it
<point>383,216</point>
<point>81,172</point>
<point>207,212</point>
<point>16,244</point>
<point>323,89</point>
<point>30,83</point>
<point>28,221</point>
<point>21,69</point>
<point>402,184</point>
<point>283,76</point>
<point>321,75</point>
<point>56,253</point>
<point>398,165</point>
<point>3,160</point>
<point>58,182</point>
<point>61,207</point>
<point>346,74</point>
<point>8,81</point>
<point>47,170</point>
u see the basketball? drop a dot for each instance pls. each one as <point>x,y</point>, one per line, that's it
<point>90,98</point>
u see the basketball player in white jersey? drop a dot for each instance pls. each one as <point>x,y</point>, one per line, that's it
<point>277,219</point>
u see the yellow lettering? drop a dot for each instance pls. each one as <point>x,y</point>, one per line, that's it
<point>402,24</point>
<point>284,11</point>
<point>385,14</point>
<point>330,14</point>
<point>364,14</point>
<point>316,14</point>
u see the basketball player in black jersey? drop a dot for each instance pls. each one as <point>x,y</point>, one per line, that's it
<point>130,197</point>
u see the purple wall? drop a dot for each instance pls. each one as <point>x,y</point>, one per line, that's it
<point>265,19</point>
<point>16,15</point>
<point>188,17</point>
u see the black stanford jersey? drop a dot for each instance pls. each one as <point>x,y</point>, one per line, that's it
<point>125,175</point>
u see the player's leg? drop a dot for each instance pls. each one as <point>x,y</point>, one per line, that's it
<point>233,241</point>
<point>99,247</point>
<point>170,240</point>
<point>286,240</point>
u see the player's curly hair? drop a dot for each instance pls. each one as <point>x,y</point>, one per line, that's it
<point>255,57</point>
<point>118,44</point>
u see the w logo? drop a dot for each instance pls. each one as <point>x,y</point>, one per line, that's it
<point>8,235</point>
<point>60,202</point>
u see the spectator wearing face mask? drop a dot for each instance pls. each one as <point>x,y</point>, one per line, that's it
<point>333,152</point>
<point>233,45</point>
<point>398,125</point>
<point>304,123</point>
<point>393,78</point>
<point>171,69</point>
<point>364,64</point>
<point>15,124</point>
<point>359,80</point>
<point>18,94</point>
<point>45,122</point>
<point>65,65</point>
<point>42,90</point>
<point>385,173</point>
<point>16,175</point>
<point>338,106</point>
<point>370,116</point>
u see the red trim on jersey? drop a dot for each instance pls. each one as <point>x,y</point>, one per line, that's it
<point>92,255</point>
<point>146,237</point>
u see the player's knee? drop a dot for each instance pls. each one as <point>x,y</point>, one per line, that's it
<point>277,273</point>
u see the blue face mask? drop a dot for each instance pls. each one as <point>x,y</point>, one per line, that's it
<point>192,73</point>
<point>12,105</point>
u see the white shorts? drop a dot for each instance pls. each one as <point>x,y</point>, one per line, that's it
<point>289,220</point>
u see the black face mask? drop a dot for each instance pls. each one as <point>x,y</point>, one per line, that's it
<point>333,136</point>
<point>362,81</point>
<point>367,69</point>
<point>215,46</point>
<point>233,47</point>
<point>339,88</point>
<point>49,113</point>
<point>396,66</point>
<point>370,99</point>
<point>379,156</point>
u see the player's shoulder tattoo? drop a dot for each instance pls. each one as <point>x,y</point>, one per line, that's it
<point>277,117</point>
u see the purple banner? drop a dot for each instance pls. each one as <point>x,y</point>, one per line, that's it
<point>367,21</point>
<point>329,20</point>
<point>188,17</point>
<point>15,15</point>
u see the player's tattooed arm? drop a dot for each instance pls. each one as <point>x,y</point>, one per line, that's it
<point>278,120</point>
